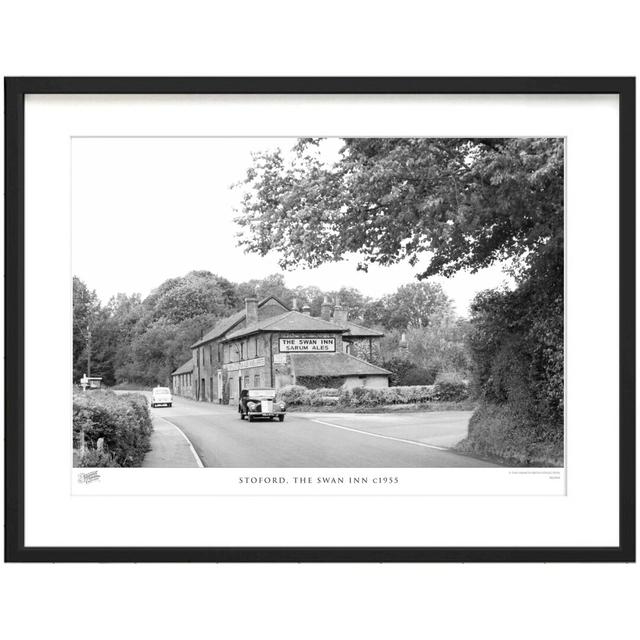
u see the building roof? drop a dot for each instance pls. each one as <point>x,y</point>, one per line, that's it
<point>222,326</point>
<point>358,331</point>
<point>289,321</point>
<point>333,365</point>
<point>187,367</point>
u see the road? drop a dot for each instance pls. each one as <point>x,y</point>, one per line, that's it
<point>308,440</point>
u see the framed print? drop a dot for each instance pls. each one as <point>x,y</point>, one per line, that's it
<point>320,319</point>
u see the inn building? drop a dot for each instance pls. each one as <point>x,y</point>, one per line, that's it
<point>269,344</point>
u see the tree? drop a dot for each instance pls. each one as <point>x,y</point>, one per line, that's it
<point>312,296</point>
<point>95,339</point>
<point>197,293</point>
<point>412,306</point>
<point>86,307</point>
<point>469,202</point>
<point>351,299</point>
<point>272,285</point>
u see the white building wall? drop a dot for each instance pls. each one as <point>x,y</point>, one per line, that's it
<point>376,382</point>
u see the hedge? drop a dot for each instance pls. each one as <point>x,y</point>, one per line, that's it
<point>296,395</point>
<point>122,421</point>
<point>451,387</point>
<point>445,390</point>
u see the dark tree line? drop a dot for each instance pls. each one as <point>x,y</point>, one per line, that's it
<point>140,341</point>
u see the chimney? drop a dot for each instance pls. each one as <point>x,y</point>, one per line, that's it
<point>251,306</point>
<point>340,315</point>
<point>294,304</point>
<point>325,310</point>
<point>306,310</point>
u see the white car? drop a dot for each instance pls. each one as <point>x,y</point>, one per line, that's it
<point>161,395</point>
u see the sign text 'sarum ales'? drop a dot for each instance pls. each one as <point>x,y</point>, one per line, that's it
<point>307,345</point>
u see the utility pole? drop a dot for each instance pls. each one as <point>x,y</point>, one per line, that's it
<point>88,351</point>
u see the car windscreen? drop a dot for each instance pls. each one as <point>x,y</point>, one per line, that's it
<point>161,390</point>
<point>261,393</point>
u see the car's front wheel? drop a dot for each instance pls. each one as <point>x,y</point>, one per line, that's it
<point>281,418</point>
<point>153,405</point>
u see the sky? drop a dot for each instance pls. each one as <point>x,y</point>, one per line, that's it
<point>148,209</point>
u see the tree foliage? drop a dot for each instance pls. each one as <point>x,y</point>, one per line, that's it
<point>469,202</point>
<point>411,306</point>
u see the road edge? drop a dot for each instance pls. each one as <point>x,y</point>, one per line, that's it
<point>184,435</point>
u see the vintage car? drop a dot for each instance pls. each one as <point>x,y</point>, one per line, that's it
<point>161,395</point>
<point>260,403</point>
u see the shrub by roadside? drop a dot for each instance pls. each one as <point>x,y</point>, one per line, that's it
<point>496,431</point>
<point>367,397</point>
<point>451,387</point>
<point>130,386</point>
<point>116,429</point>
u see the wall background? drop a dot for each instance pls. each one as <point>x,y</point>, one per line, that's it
<point>332,38</point>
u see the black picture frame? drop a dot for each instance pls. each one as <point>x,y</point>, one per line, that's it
<point>15,91</point>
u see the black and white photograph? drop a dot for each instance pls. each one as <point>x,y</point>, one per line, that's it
<point>318,303</point>
<point>320,320</point>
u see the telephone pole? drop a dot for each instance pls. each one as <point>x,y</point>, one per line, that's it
<point>88,351</point>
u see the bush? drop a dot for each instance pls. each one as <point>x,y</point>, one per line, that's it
<point>499,431</point>
<point>448,391</point>
<point>123,421</point>
<point>415,393</point>
<point>517,342</point>
<point>291,394</point>
<point>95,458</point>
<point>450,387</point>
<point>297,395</point>
<point>371,396</point>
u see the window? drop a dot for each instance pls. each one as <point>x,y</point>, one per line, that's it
<point>256,382</point>
<point>246,382</point>
<point>211,354</point>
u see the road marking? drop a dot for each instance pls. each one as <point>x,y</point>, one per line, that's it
<point>184,435</point>
<point>379,435</point>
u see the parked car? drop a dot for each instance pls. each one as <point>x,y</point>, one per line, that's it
<point>161,395</point>
<point>260,403</point>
